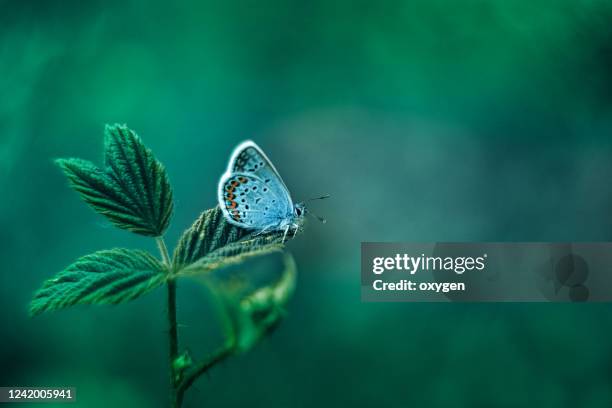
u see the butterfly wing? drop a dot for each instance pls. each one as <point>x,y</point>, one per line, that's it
<point>248,202</point>
<point>249,158</point>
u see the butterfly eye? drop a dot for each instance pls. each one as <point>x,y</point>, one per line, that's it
<point>298,211</point>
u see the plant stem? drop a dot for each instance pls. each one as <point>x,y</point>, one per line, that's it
<point>163,250</point>
<point>178,386</point>
<point>173,340</point>
<point>172,326</point>
<point>202,367</point>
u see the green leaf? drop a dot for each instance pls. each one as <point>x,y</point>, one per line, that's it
<point>213,249</point>
<point>252,309</point>
<point>105,277</point>
<point>213,242</point>
<point>132,191</point>
<point>227,256</point>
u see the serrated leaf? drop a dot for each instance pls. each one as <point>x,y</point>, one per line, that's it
<point>212,240</point>
<point>141,176</point>
<point>230,255</point>
<point>132,191</point>
<point>104,277</point>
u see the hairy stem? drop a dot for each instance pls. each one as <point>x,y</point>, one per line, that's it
<point>178,385</point>
<point>202,367</point>
<point>175,402</point>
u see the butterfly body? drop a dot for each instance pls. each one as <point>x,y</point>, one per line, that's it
<point>252,194</point>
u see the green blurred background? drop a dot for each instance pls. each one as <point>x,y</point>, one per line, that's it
<point>426,120</point>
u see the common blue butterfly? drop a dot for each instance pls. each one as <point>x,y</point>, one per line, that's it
<point>253,195</point>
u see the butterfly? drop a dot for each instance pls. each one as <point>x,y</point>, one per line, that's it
<point>253,195</point>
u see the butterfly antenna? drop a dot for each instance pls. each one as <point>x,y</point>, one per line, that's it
<point>318,198</point>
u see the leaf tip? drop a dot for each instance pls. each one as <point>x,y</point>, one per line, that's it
<point>34,309</point>
<point>113,133</point>
<point>108,127</point>
<point>60,161</point>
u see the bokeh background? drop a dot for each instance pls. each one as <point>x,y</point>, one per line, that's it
<point>427,120</point>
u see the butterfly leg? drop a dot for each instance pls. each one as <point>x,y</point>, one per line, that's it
<point>295,230</point>
<point>263,231</point>
<point>285,234</point>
